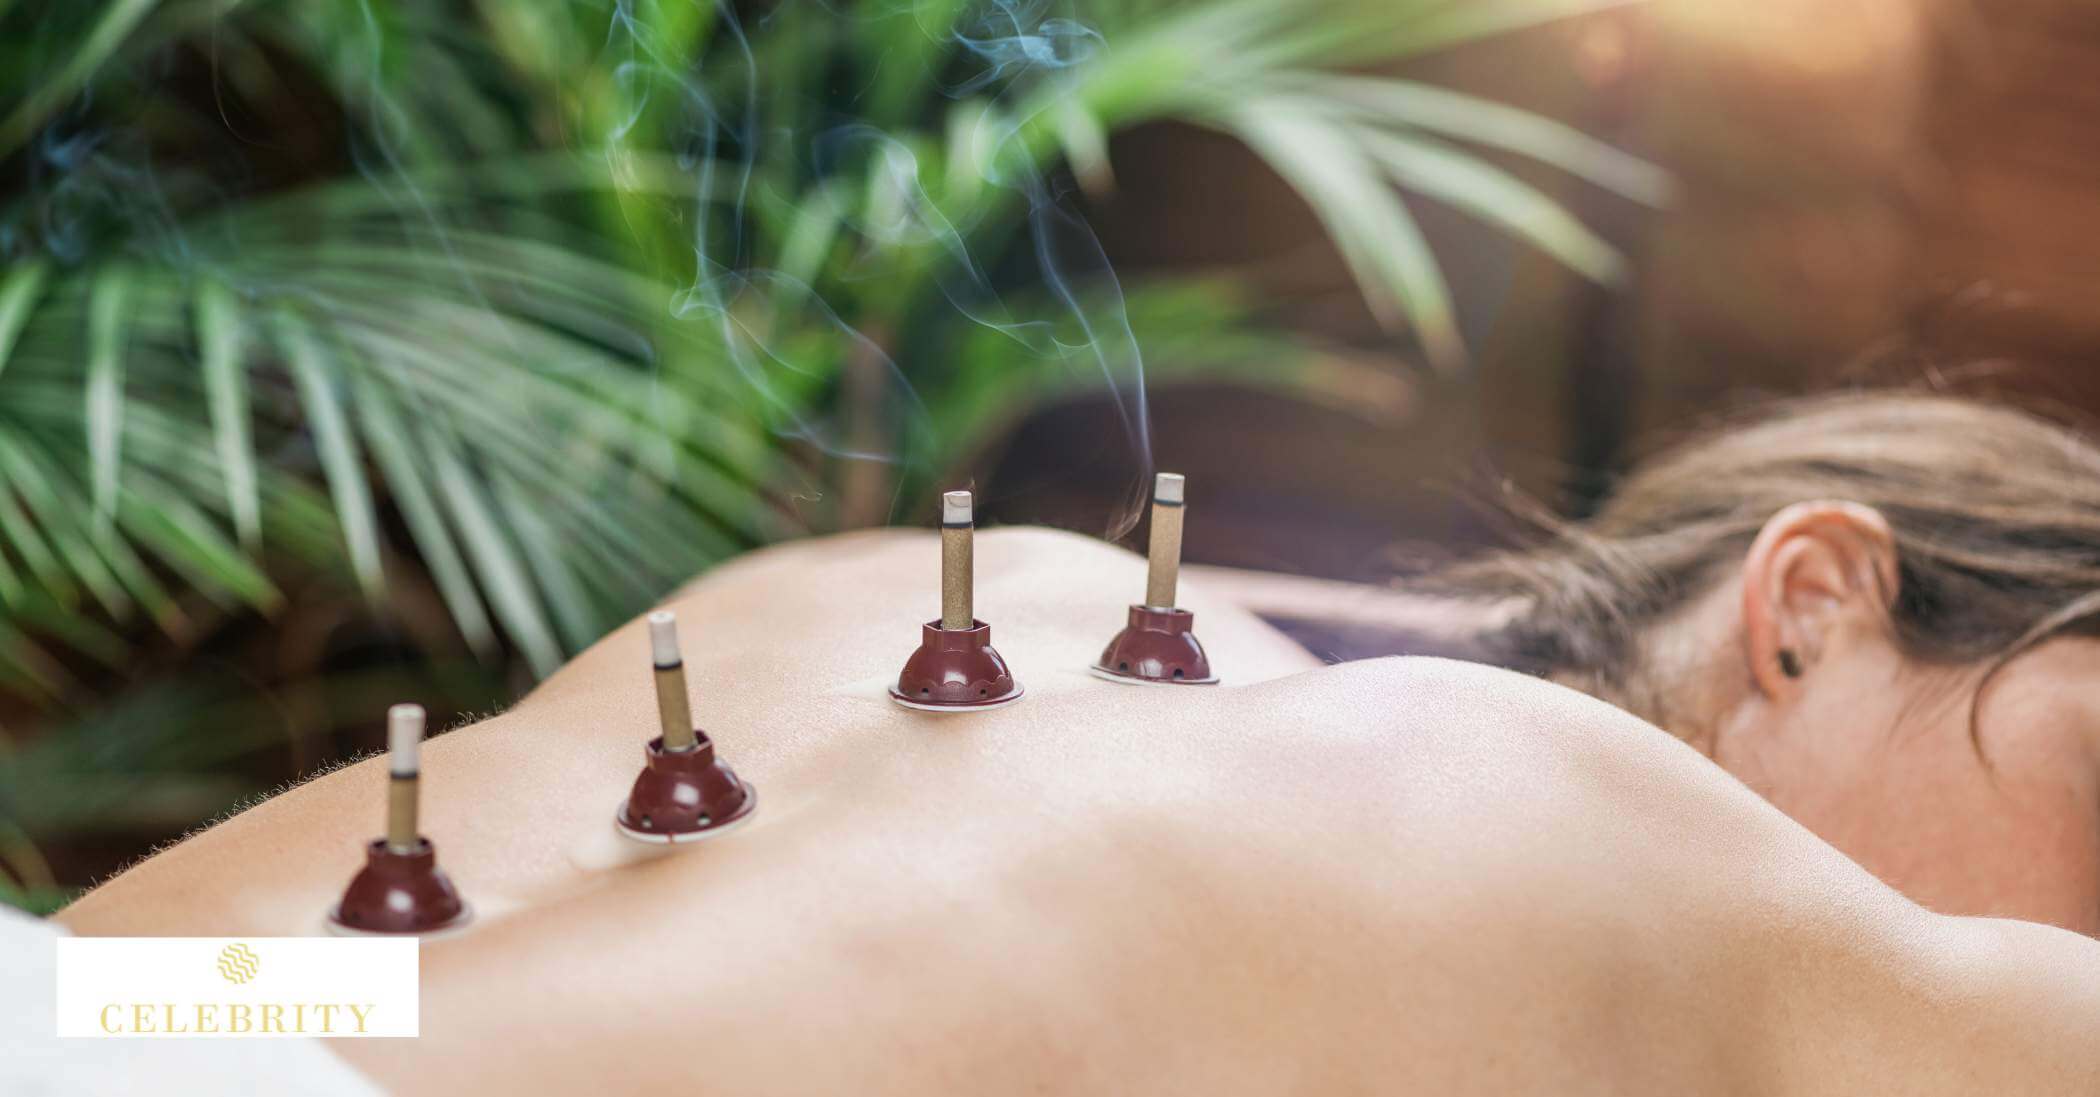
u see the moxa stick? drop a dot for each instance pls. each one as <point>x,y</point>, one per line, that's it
<point>957,610</point>
<point>673,710</point>
<point>1163,557</point>
<point>404,740</point>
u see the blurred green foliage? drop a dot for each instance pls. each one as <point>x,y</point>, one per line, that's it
<point>549,305</point>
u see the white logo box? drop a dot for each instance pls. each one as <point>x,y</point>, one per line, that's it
<point>237,987</point>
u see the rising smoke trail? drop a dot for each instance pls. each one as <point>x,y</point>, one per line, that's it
<point>867,182</point>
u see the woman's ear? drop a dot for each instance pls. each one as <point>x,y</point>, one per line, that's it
<point>1815,568</point>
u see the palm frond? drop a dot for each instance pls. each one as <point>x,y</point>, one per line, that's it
<point>530,362</point>
<point>225,376</point>
<point>1386,102</point>
<point>1363,215</point>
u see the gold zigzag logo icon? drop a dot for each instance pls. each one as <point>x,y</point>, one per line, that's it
<point>238,963</point>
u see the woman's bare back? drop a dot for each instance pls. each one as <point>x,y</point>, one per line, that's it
<point>1402,876</point>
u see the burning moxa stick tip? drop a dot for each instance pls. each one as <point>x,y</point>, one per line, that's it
<point>1167,487</point>
<point>663,638</point>
<point>404,738</point>
<point>956,509</point>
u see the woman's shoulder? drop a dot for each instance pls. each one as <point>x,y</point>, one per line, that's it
<point>1593,846</point>
<point>1536,860</point>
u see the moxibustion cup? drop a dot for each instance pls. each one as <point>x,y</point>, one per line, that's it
<point>955,668</point>
<point>1158,644</point>
<point>684,792</point>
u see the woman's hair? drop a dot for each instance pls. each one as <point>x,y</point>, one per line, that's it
<point>1995,513</point>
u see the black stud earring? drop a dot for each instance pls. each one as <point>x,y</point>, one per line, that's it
<point>1789,663</point>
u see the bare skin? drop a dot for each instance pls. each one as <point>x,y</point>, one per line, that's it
<point>1397,876</point>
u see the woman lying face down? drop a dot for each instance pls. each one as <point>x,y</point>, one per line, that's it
<point>1406,875</point>
<point>1876,610</point>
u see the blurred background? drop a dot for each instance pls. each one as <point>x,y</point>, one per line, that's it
<point>361,350</point>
